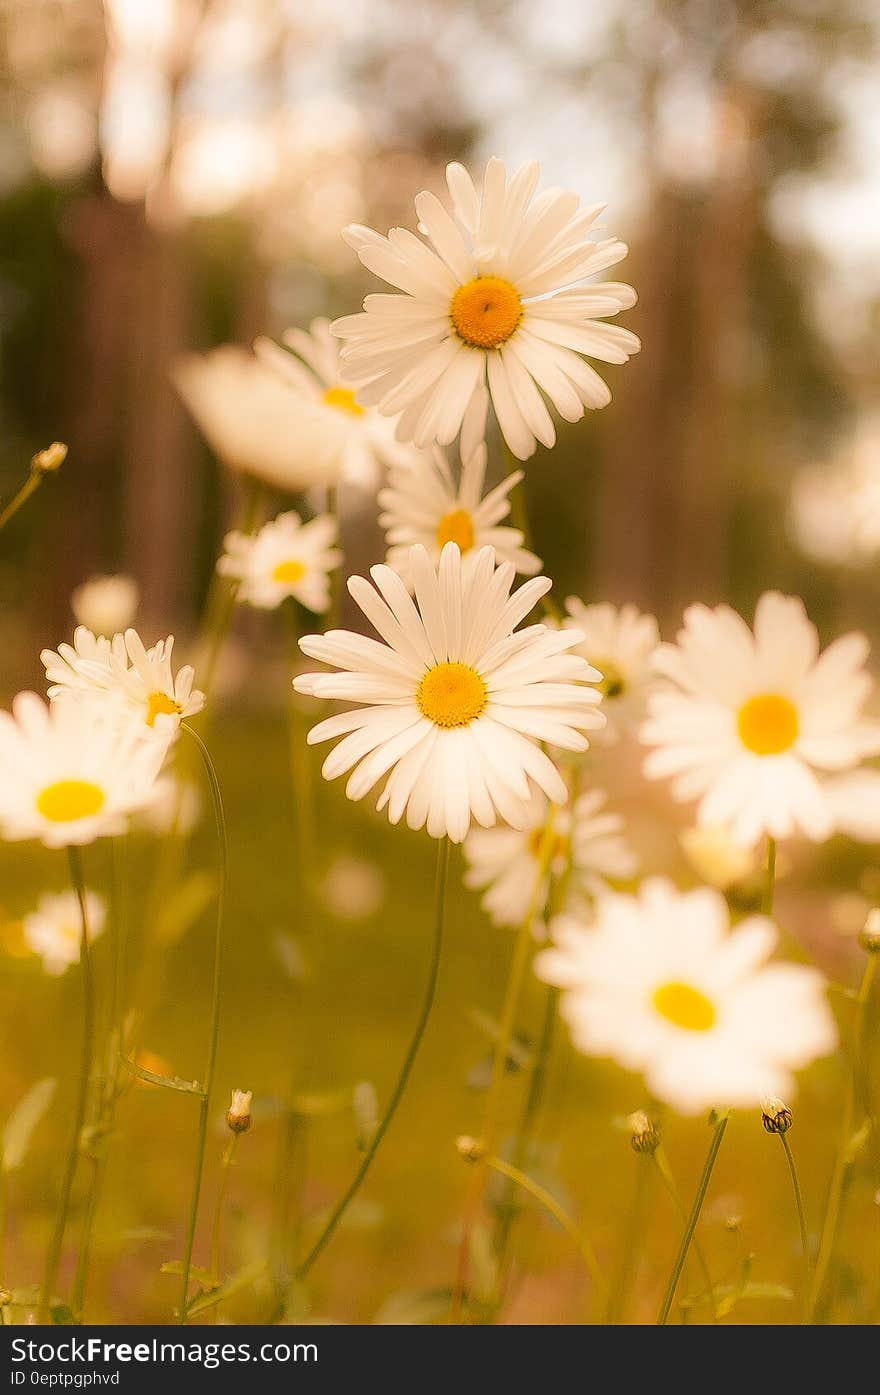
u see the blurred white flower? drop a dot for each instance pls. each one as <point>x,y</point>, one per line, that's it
<point>334,420</point>
<point>454,704</point>
<point>586,844</point>
<point>750,721</point>
<point>254,423</point>
<point>72,772</point>
<point>660,983</point>
<point>715,857</point>
<point>285,558</point>
<point>422,503</point>
<point>353,889</point>
<point>54,929</point>
<point>143,680</point>
<point>620,643</point>
<point>106,604</point>
<point>177,807</point>
<point>493,296</point>
<point>834,510</point>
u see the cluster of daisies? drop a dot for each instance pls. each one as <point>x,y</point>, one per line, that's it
<point>469,709</point>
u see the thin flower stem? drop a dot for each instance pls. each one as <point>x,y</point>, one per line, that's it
<point>770,880</point>
<point>691,1224</point>
<point>819,1297</point>
<point>109,1085</point>
<point>617,1300</point>
<point>226,1164</point>
<point>334,614</point>
<point>661,1162</point>
<point>798,1200</point>
<point>30,486</point>
<point>515,980</point>
<point>53,1256</point>
<point>222,596</point>
<point>214,1030</point>
<point>397,1094</point>
<point>550,1204</point>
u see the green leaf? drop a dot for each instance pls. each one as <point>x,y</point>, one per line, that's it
<point>234,1284</point>
<point>184,907</point>
<point>22,1122</point>
<point>202,1277</point>
<point>168,1082</point>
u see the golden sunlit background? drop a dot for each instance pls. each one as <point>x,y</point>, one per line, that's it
<point>174,174</point>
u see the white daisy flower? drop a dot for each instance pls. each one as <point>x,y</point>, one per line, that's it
<point>72,772</point>
<point>253,422</point>
<point>620,643</point>
<point>423,504</point>
<point>834,510</point>
<point>506,861</point>
<point>142,679</point>
<point>285,558</point>
<point>361,438</point>
<point>106,604</point>
<point>753,719</point>
<point>494,295</point>
<point>454,704</point>
<point>661,984</point>
<point>54,929</point>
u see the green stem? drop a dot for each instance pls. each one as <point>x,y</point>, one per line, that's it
<point>226,1163</point>
<point>770,882</point>
<point>550,1204</point>
<point>31,484</point>
<point>798,1200</point>
<point>214,1030</point>
<point>819,1298</point>
<point>53,1257</point>
<point>691,1224</point>
<point>397,1094</point>
<point>618,1299</point>
<point>661,1162</point>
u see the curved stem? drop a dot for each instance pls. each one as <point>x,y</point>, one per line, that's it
<point>226,1164</point>
<point>550,1204</point>
<point>844,1161</point>
<point>770,880</point>
<point>31,484</point>
<point>798,1199</point>
<point>397,1094</point>
<point>88,1030</point>
<point>661,1162</point>
<point>691,1224</point>
<point>214,1030</point>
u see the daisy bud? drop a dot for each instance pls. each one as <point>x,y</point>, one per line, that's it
<point>471,1149</point>
<point>775,1114</point>
<point>47,461</point>
<point>238,1115</point>
<point>645,1134</point>
<point>869,935</point>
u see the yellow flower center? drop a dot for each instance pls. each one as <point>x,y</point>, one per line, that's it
<point>456,527</point>
<point>288,573</point>
<point>486,311</point>
<point>69,800</point>
<point>611,684</point>
<point>558,847</point>
<point>768,724</point>
<point>344,400</point>
<point>161,704</point>
<point>451,695</point>
<point>684,1007</point>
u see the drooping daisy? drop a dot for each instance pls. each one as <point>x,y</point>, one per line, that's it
<point>423,504</point>
<point>72,772</point>
<point>620,643</point>
<point>285,558</point>
<point>661,984</point>
<point>494,295</point>
<point>148,690</point>
<point>506,861</point>
<point>750,720</point>
<point>361,438</point>
<point>54,929</point>
<point>453,704</point>
<point>106,604</point>
<point>253,422</point>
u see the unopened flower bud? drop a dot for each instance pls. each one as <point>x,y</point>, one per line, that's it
<point>471,1149</point>
<point>238,1115</point>
<point>775,1114</point>
<point>645,1134</point>
<point>869,935</point>
<point>47,461</point>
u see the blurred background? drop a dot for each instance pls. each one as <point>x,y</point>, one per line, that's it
<point>174,174</point>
